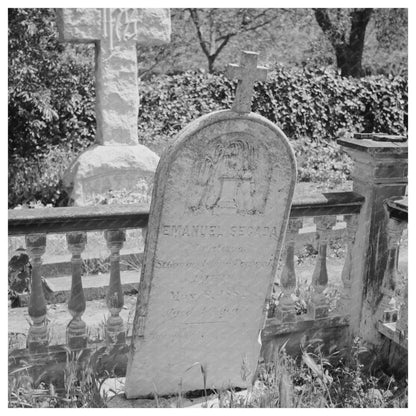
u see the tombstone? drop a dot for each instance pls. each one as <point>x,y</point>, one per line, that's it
<point>116,161</point>
<point>218,217</point>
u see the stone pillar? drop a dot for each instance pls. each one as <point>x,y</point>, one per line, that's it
<point>37,337</point>
<point>380,172</point>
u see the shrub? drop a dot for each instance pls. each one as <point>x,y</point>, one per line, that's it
<point>51,86</point>
<point>312,108</point>
<point>317,104</point>
<point>39,180</point>
<point>321,162</point>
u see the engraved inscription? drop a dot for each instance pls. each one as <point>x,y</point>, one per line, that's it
<point>243,263</point>
<point>218,231</point>
<point>199,303</point>
<point>119,24</point>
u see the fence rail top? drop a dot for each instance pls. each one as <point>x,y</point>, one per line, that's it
<point>104,217</point>
<point>66,219</point>
<point>328,203</point>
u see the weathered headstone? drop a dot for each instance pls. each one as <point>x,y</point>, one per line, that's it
<point>219,212</point>
<point>115,32</point>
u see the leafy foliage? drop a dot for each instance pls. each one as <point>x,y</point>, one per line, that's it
<point>386,42</point>
<point>50,86</point>
<point>304,103</point>
<point>38,179</point>
<point>321,162</point>
<point>313,108</point>
<point>19,275</point>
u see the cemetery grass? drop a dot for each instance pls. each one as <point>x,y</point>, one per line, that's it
<point>314,379</point>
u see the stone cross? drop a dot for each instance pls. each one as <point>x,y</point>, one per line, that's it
<point>115,33</point>
<point>247,74</point>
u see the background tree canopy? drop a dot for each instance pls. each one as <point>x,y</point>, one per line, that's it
<point>332,71</point>
<point>374,41</point>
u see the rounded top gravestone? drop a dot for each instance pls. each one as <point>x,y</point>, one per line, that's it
<point>219,212</point>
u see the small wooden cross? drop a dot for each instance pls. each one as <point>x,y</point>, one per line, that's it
<point>247,74</point>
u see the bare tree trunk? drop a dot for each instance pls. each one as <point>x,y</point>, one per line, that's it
<point>349,53</point>
<point>359,22</point>
<point>211,60</point>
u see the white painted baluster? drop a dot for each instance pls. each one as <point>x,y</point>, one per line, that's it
<point>115,332</point>
<point>388,309</point>
<point>318,305</point>
<point>76,332</point>
<point>38,335</point>
<point>344,304</point>
<point>285,310</point>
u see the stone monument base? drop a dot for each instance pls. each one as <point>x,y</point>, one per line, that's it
<point>104,168</point>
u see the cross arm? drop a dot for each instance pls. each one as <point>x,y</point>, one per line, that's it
<point>233,71</point>
<point>261,74</point>
<point>247,74</point>
<point>153,26</point>
<point>146,26</point>
<point>79,25</point>
<point>249,61</point>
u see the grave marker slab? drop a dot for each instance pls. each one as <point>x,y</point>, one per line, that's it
<point>219,212</point>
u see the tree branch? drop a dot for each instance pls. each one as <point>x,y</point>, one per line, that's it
<point>265,23</point>
<point>221,47</point>
<point>256,18</point>
<point>202,42</point>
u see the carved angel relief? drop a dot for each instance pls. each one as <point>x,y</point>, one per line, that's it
<point>232,179</point>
